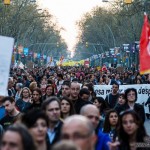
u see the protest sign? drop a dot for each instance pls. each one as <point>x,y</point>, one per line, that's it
<point>6,49</point>
<point>143,91</point>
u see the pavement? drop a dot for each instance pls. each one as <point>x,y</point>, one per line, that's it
<point>147,126</point>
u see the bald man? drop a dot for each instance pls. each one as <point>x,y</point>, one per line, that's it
<point>92,113</point>
<point>80,130</point>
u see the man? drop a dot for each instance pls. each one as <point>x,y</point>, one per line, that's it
<point>111,99</point>
<point>79,129</point>
<point>65,89</point>
<point>92,113</point>
<point>59,81</point>
<point>74,91</point>
<point>51,107</point>
<point>84,95</point>
<point>12,112</point>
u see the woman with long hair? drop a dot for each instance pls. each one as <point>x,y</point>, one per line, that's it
<point>24,103</point>
<point>111,123</point>
<point>131,133</point>
<point>36,98</point>
<point>17,137</point>
<point>37,124</point>
<point>67,108</point>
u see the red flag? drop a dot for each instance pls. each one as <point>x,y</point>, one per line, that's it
<point>145,47</point>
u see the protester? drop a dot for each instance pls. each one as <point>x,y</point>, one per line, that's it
<point>65,88</point>
<point>100,103</point>
<point>49,91</point>
<point>79,130</point>
<point>67,108</point>
<point>84,95</point>
<point>19,87</point>
<point>17,137</point>
<point>92,113</point>
<point>111,99</point>
<point>52,109</point>
<point>111,123</point>
<point>121,101</point>
<point>131,98</point>
<point>131,133</point>
<point>24,103</point>
<point>36,99</point>
<point>12,112</point>
<point>37,126</point>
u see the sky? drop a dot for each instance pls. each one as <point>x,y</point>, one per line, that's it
<point>67,13</point>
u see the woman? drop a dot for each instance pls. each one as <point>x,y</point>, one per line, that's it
<point>49,91</point>
<point>17,137</point>
<point>121,101</point>
<point>24,103</point>
<point>37,126</point>
<point>99,102</point>
<point>111,123</point>
<point>131,133</point>
<point>36,98</point>
<point>67,108</point>
<point>131,98</point>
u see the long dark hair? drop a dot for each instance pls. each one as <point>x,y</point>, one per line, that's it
<point>72,110</point>
<point>38,90</point>
<point>27,140</point>
<point>140,133</point>
<point>107,125</point>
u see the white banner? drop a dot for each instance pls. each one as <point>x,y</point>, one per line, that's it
<point>143,91</point>
<point>6,48</point>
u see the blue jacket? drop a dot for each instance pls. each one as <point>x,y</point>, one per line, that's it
<point>102,140</point>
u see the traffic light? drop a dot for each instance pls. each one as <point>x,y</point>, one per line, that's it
<point>7,2</point>
<point>86,44</point>
<point>127,1</point>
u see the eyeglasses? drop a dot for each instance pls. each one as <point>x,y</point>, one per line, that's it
<point>131,94</point>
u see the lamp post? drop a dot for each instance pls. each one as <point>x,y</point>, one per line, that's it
<point>94,46</point>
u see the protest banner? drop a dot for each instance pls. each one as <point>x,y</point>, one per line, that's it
<point>6,49</point>
<point>143,91</point>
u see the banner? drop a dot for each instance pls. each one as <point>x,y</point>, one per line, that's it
<point>143,91</point>
<point>6,49</point>
<point>26,51</point>
<point>145,47</point>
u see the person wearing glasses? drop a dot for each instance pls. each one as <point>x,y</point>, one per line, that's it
<point>24,103</point>
<point>131,134</point>
<point>131,98</point>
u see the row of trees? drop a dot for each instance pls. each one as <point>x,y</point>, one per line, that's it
<point>29,25</point>
<point>108,27</point>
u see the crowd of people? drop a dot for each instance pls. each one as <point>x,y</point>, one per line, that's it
<point>56,108</point>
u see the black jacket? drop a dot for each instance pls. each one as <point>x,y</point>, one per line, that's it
<point>137,108</point>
